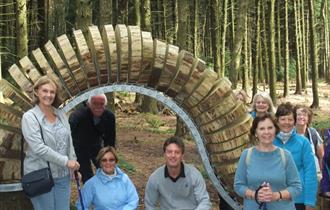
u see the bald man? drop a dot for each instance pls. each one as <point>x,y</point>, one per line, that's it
<point>92,127</point>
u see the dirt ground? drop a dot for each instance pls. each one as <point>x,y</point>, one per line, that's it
<point>140,138</point>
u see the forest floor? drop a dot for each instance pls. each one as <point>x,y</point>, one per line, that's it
<point>140,138</point>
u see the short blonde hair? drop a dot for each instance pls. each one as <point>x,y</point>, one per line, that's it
<point>267,98</point>
<point>104,151</point>
<point>46,80</point>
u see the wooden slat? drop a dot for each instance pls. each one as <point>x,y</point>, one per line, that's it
<point>72,61</point>
<point>67,78</point>
<point>185,65</point>
<point>46,69</point>
<point>228,155</point>
<point>10,128</point>
<point>122,47</point>
<point>21,80</point>
<point>10,115</point>
<point>98,54</point>
<point>170,68</point>
<point>228,145</point>
<point>19,98</point>
<point>224,106</point>
<point>42,62</point>
<point>201,90</point>
<point>147,57</point>
<point>29,69</point>
<point>110,46</point>
<point>237,128</point>
<point>217,123</point>
<point>195,79</point>
<point>160,50</point>
<point>135,53</point>
<point>85,58</point>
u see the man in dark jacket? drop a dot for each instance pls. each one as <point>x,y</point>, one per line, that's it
<point>92,127</point>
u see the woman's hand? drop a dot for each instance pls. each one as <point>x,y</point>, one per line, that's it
<point>73,165</point>
<point>265,194</point>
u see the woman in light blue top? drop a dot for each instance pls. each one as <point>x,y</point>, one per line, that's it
<point>269,168</point>
<point>110,188</point>
<point>57,149</point>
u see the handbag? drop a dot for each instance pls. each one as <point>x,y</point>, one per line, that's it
<point>39,181</point>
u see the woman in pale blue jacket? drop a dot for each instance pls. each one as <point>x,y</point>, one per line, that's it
<point>110,188</point>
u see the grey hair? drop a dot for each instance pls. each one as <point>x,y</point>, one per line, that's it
<point>102,94</point>
<point>267,98</point>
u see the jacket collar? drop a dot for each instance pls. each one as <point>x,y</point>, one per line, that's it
<point>104,179</point>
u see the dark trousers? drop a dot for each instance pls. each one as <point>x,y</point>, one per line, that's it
<point>300,206</point>
<point>85,159</point>
<point>223,205</point>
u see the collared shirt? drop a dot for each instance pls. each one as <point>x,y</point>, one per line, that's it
<point>182,174</point>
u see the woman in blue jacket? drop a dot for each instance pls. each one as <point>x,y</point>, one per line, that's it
<point>110,188</point>
<point>302,154</point>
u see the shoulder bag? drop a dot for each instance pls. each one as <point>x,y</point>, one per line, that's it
<point>39,181</point>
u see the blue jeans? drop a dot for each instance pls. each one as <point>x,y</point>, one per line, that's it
<point>57,199</point>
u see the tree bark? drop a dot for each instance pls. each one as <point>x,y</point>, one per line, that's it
<point>272,64</point>
<point>239,35</point>
<point>21,29</point>
<point>313,55</point>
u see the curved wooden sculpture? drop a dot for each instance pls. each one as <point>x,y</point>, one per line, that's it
<point>126,55</point>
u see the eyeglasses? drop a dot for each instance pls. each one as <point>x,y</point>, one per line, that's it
<point>111,160</point>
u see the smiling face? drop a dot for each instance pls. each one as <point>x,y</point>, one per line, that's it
<point>46,94</point>
<point>108,163</point>
<point>261,105</point>
<point>173,155</point>
<point>302,117</point>
<point>97,105</point>
<point>286,122</point>
<point>265,132</point>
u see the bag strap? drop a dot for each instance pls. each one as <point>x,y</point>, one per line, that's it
<point>22,147</point>
<point>248,156</point>
<point>283,158</point>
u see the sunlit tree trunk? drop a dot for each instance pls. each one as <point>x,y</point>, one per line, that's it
<point>272,64</point>
<point>21,29</point>
<point>298,65</point>
<point>223,39</point>
<point>286,51</point>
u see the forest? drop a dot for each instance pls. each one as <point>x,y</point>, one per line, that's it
<point>252,42</point>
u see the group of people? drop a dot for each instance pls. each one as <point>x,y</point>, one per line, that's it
<point>88,136</point>
<point>280,171</point>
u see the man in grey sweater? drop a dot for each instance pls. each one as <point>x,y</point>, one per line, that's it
<point>176,185</point>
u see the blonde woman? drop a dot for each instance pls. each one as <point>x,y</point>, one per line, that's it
<point>261,104</point>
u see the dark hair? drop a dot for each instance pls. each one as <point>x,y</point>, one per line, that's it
<point>261,118</point>
<point>43,81</point>
<point>285,109</point>
<point>104,151</point>
<point>174,140</point>
<point>304,109</point>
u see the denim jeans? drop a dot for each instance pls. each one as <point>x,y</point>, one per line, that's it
<point>57,199</point>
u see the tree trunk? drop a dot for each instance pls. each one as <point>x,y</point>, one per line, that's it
<point>83,15</point>
<point>256,46</point>
<point>105,14</point>
<point>286,51</point>
<point>239,35</point>
<point>223,39</point>
<point>315,103</point>
<point>21,29</point>
<point>215,34</point>
<point>298,70</point>
<point>272,64</point>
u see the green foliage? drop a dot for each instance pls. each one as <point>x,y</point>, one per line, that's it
<point>154,121</point>
<point>126,166</point>
<point>321,125</point>
<point>123,94</point>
